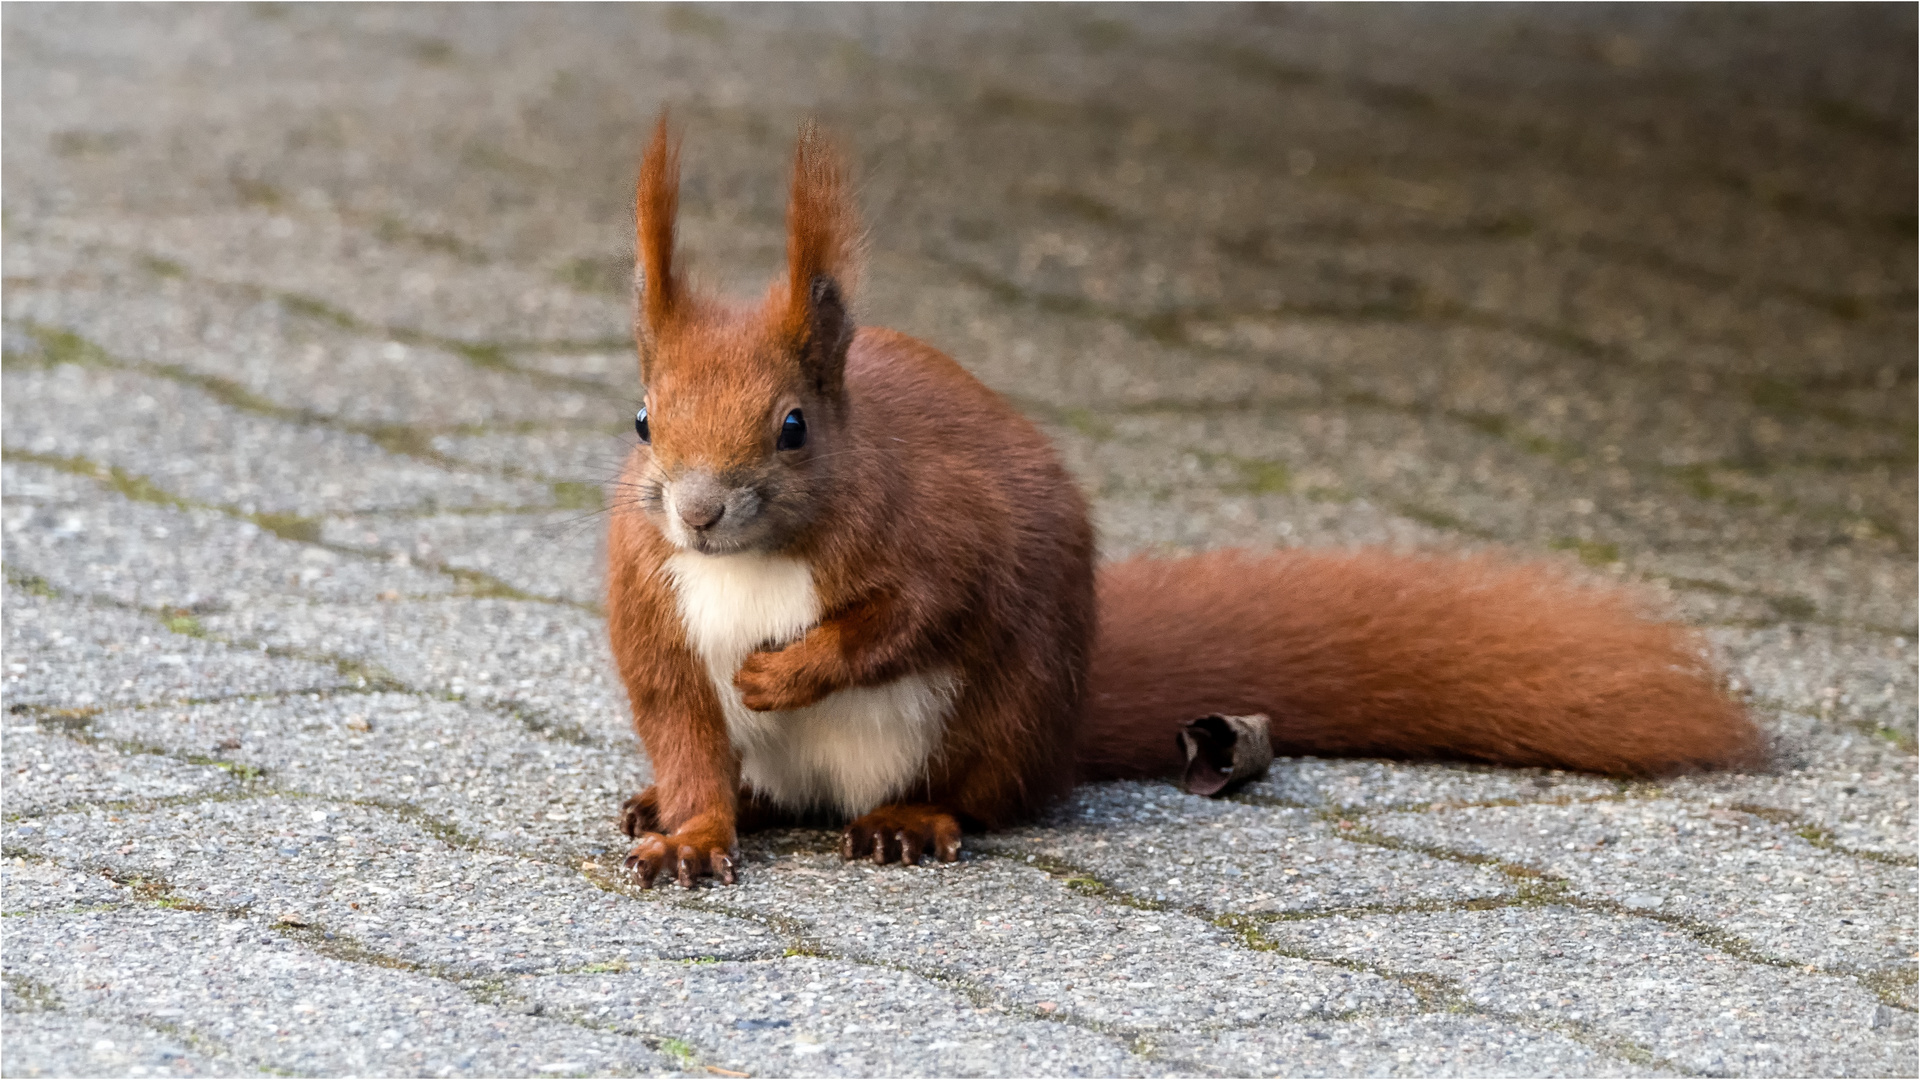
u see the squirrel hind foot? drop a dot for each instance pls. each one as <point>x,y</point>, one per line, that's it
<point>902,833</point>
<point>641,813</point>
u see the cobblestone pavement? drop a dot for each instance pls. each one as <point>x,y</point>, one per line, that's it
<point>316,358</point>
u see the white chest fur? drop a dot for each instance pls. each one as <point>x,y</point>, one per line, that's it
<point>851,751</point>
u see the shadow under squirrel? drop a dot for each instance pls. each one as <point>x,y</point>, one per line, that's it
<point>848,580</point>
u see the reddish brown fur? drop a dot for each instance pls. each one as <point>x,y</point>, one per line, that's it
<point>943,532</point>
<point>823,233</point>
<point>656,207</point>
<point>1371,653</point>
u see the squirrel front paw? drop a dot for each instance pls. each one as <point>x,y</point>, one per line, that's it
<point>771,681</point>
<point>684,856</point>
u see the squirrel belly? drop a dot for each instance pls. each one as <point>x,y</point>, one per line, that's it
<point>852,751</point>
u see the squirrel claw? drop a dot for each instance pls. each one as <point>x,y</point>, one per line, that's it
<point>642,868</point>
<point>910,846</point>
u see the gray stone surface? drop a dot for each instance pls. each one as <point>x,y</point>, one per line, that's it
<point>47,770</point>
<point>265,992</point>
<point>1418,1044</point>
<point>214,456</point>
<point>532,658</point>
<point>369,875</point>
<point>1736,872</point>
<point>40,885</point>
<point>139,553</point>
<point>490,773</point>
<point>49,1042</point>
<point>67,654</point>
<point>1051,943</point>
<point>1635,981</point>
<point>316,380</point>
<point>818,1017</point>
<point>1159,843</point>
<point>555,555</point>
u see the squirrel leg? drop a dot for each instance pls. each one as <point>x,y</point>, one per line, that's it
<point>691,806</point>
<point>902,832</point>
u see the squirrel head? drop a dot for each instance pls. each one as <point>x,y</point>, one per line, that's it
<point>745,404</point>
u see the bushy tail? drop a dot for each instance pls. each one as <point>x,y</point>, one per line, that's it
<point>1368,653</point>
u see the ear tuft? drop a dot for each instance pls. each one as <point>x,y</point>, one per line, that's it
<point>823,258</point>
<point>656,296</point>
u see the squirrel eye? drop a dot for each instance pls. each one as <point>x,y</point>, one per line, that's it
<point>793,432</point>
<point>640,425</point>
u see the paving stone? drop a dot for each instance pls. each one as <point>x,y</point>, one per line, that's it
<point>1250,492</point>
<point>1742,875</point>
<point>1006,927</point>
<point>63,654</point>
<point>585,455</point>
<point>1858,682</point>
<point>617,369</point>
<point>1426,1044</point>
<point>41,885</point>
<point>282,351</point>
<point>1865,810</point>
<point>1181,521</point>
<point>496,777</point>
<point>392,884</point>
<point>1851,586</point>
<point>1155,842</point>
<point>557,555</point>
<point>1634,981</point>
<point>193,446</point>
<point>1510,493</point>
<point>1502,378</point>
<point>332,259</point>
<point>268,1000</point>
<point>1364,786</point>
<point>546,663</point>
<point>141,554</point>
<point>39,485</point>
<point>60,1043</point>
<point>1854,789</point>
<point>47,770</point>
<point>822,1017</point>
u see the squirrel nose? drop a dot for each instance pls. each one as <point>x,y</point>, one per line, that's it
<point>700,514</point>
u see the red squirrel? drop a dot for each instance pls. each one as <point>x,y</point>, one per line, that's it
<point>847,580</point>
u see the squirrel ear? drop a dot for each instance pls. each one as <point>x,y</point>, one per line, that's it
<point>823,261</point>
<point>829,331</point>
<point>656,295</point>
